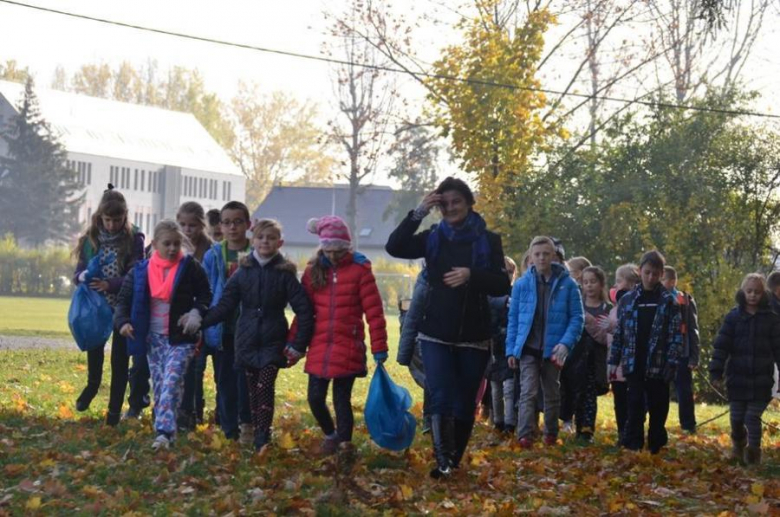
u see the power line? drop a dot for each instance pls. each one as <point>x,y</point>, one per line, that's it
<point>384,68</point>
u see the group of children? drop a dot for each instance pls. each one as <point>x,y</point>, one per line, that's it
<point>562,339</point>
<point>209,276</point>
<point>203,287</point>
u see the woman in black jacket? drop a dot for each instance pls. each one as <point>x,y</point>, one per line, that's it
<point>747,348</point>
<point>465,264</point>
<point>262,287</point>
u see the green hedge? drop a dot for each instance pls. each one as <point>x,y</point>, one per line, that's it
<point>34,272</point>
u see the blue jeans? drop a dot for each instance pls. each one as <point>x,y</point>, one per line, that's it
<point>233,392</point>
<point>452,378</point>
<point>683,383</point>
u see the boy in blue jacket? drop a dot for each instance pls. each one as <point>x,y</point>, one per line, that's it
<point>220,262</point>
<point>545,322</point>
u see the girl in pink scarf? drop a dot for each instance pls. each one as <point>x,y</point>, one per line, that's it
<point>160,308</point>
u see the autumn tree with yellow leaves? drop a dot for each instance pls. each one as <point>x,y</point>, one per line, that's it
<point>487,100</point>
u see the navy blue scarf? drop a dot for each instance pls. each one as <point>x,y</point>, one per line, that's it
<point>473,231</point>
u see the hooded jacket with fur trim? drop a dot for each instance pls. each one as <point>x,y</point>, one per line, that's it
<point>262,293</point>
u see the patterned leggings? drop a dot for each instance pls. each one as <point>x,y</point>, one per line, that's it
<point>746,418</point>
<point>262,390</point>
<point>342,403</point>
<point>167,365</point>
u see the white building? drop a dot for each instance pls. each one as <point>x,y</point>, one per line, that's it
<point>157,158</point>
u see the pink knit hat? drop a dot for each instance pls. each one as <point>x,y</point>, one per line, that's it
<point>332,231</point>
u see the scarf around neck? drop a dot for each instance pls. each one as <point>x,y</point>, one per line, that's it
<point>160,285</point>
<point>473,231</point>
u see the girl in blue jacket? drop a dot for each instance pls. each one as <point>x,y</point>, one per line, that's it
<point>156,296</point>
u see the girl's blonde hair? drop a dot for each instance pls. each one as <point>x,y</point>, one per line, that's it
<point>601,276</point>
<point>578,263</point>
<point>112,204</point>
<point>524,262</point>
<point>629,272</point>
<point>753,277</point>
<point>511,266</point>
<point>170,226</point>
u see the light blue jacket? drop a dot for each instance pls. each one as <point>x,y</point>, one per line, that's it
<point>564,320</point>
<point>214,265</point>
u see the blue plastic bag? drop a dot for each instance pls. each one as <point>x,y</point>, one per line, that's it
<point>90,317</point>
<point>389,422</point>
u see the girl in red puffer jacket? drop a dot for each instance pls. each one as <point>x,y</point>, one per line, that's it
<point>342,288</point>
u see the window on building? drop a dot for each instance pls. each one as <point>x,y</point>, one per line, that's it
<point>155,221</point>
<point>89,173</point>
<point>148,224</point>
<point>135,180</point>
<point>143,177</point>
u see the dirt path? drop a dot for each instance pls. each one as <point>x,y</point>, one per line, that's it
<point>33,342</point>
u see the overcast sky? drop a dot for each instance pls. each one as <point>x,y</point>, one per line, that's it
<point>42,41</point>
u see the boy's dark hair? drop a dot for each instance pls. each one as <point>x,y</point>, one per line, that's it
<point>773,281</point>
<point>236,205</point>
<point>670,273</point>
<point>212,216</point>
<point>654,259</point>
<point>457,185</point>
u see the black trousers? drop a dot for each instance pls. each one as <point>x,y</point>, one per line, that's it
<point>342,403</point>
<point>620,398</point>
<point>646,396</point>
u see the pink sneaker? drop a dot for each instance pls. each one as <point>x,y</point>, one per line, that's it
<point>550,440</point>
<point>526,442</point>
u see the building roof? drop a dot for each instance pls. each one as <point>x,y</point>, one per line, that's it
<point>101,127</point>
<point>294,206</point>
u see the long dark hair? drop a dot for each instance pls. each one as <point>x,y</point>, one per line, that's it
<point>112,204</point>
<point>204,242</point>
<point>318,271</point>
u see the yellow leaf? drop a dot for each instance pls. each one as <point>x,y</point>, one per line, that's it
<point>286,441</point>
<point>216,443</point>
<point>47,463</point>
<point>406,492</point>
<point>751,499</point>
<point>65,411</point>
<point>33,503</point>
<point>757,489</point>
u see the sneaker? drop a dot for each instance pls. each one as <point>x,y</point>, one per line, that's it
<point>509,429</point>
<point>329,446</point>
<point>246,434</point>
<point>261,439</point>
<point>133,413</point>
<point>568,427</point>
<point>550,440</point>
<point>185,423</point>
<point>161,442</point>
<point>585,438</point>
<point>526,442</point>
<point>499,427</point>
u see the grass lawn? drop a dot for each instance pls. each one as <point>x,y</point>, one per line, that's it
<point>53,460</point>
<point>47,317</point>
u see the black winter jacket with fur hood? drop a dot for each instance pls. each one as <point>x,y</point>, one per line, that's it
<point>262,293</point>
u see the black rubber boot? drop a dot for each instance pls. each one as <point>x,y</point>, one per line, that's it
<point>87,394</point>
<point>463,430</point>
<point>442,432</point>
